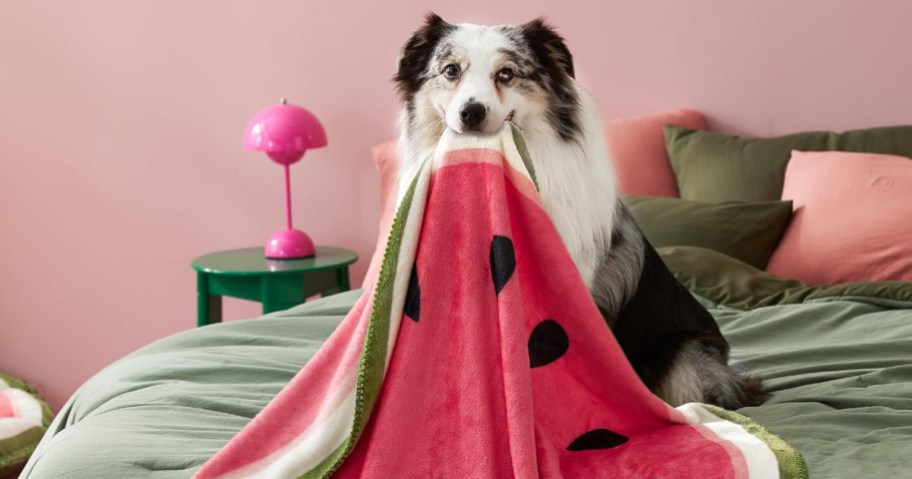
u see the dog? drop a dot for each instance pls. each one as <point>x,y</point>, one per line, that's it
<point>473,78</point>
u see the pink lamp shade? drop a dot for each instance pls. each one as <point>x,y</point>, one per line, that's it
<point>285,132</point>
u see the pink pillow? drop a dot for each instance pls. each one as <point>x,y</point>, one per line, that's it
<point>637,148</point>
<point>386,160</point>
<point>852,220</point>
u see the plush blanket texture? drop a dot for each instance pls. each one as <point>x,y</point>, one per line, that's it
<point>479,353</point>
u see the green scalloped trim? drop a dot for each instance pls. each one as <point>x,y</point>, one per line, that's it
<point>791,463</point>
<point>373,354</point>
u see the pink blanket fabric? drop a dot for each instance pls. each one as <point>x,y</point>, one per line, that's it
<point>479,353</point>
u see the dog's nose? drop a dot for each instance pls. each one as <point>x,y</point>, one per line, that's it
<point>472,114</point>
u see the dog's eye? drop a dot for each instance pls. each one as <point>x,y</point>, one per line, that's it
<point>505,75</point>
<point>451,71</point>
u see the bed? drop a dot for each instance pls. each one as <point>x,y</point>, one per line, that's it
<point>837,360</point>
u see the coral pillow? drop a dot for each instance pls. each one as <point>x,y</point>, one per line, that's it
<point>386,160</point>
<point>852,220</point>
<point>637,148</point>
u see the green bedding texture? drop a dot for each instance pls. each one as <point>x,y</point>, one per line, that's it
<point>837,359</point>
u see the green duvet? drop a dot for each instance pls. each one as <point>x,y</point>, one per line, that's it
<point>838,361</point>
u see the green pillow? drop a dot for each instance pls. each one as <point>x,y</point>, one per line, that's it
<point>712,166</point>
<point>745,231</point>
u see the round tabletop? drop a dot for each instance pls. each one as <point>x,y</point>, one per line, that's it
<point>252,261</point>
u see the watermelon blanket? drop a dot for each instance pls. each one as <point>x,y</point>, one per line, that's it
<point>479,353</point>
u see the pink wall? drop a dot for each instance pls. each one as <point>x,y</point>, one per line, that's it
<point>121,123</point>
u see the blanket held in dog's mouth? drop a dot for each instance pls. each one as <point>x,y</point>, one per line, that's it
<point>479,353</point>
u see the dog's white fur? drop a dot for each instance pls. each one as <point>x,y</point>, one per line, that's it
<point>579,194</point>
<point>578,190</point>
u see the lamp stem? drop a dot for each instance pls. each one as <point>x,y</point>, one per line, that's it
<point>287,197</point>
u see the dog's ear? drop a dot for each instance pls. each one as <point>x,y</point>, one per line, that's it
<point>417,51</point>
<point>556,75</point>
<point>548,45</point>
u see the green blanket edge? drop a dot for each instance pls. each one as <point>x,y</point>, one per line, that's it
<point>791,462</point>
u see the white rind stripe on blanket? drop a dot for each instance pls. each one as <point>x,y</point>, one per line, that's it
<point>408,248</point>
<point>329,431</point>
<point>308,450</point>
<point>761,462</point>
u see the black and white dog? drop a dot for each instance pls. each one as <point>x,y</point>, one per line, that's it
<point>472,78</point>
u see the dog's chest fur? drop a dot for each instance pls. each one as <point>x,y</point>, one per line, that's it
<point>577,186</point>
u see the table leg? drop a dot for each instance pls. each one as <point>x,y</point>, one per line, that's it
<point>342,279</point>
<point>208,306</point>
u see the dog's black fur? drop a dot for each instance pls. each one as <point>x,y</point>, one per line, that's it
<point>415,56</point>
<point>555,73</point>
<point>662,324</point>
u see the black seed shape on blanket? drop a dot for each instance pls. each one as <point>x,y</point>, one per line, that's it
<point>547,343</point>
<point>503,261</point>
<point>412,307</point>
<point>597,439</point>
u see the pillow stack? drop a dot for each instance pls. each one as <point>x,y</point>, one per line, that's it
<point>852,195</point>
<point>747,229</point>
<point>711,166</point>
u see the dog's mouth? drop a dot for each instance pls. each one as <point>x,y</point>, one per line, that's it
<point>479,128</point>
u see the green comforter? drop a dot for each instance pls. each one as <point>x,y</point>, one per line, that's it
<point>838,361</point>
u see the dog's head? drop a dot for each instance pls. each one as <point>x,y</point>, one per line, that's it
<point>473,77</point>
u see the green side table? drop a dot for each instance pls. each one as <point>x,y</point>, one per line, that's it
<point>278,284</point>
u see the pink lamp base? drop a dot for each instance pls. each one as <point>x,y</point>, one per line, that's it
<point>290,244</point>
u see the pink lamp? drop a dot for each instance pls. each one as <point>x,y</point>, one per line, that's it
<point>285,132</point>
